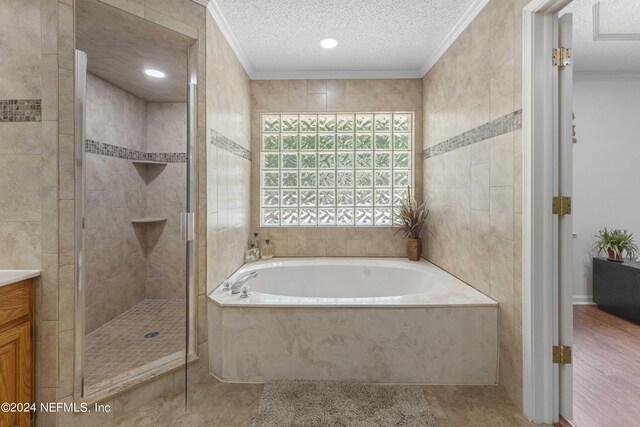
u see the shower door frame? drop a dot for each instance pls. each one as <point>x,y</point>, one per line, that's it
<point>80,81</point>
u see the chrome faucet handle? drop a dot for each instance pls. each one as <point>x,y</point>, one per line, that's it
<point>226,285</point>
<point>245,291</point>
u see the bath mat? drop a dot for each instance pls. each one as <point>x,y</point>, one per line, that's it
<point>331,404</point>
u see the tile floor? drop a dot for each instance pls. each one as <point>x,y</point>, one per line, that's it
<point>213,403</point>
<point>119,345</point>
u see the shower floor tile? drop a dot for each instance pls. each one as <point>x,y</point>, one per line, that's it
<point>119,345</point>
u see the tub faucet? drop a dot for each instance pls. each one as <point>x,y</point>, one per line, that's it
<point>235,286</point>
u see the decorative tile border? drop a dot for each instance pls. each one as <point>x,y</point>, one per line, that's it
<point>226,144</point>
<point>97,147</point>
<point>497,127</point>
<point>20,110</point>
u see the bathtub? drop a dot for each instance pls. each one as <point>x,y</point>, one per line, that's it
<point>383,320</point>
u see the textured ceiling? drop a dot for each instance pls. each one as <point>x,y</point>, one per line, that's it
<point>374,35</point>
<point>616,16</point>
<point>119,46</point>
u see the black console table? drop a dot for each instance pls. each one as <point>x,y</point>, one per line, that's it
<point>616,287</point>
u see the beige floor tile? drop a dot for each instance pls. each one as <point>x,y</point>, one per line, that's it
<point>212,403</point>
<point>120,345</point>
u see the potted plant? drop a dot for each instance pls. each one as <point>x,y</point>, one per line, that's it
<point>412,220</point>
<point>615,242</point>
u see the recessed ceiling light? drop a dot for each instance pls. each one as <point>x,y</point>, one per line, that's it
<point>329,42</point>
<point>155,73</point>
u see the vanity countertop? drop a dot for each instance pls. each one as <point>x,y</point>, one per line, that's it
<point>8,277</point>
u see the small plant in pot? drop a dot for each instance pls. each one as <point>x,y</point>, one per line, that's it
<point>614,243</point>
<point>412,219</point>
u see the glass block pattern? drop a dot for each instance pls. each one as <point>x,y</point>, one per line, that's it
<point>334,169</point>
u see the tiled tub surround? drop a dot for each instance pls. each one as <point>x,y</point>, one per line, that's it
<point>475,191</point>
<point>221,141</point>
<point>20,110</point>
<point>317,96</point>
<point>352,323</point>
<point>494,128</point>
<point>224,176</point>
<point>228,184</point>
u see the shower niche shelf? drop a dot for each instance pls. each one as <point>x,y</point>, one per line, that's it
<point>148,220</point>
<point>148,169</point>
<point>147,162</point>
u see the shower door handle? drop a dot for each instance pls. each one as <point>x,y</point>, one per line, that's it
<point>187,220</point>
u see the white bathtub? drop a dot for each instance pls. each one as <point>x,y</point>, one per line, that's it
<point>362,319</point>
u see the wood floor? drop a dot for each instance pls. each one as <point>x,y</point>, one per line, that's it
<point>606,369</point>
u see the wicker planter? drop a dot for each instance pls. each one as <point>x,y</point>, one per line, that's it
<point>414,249</point>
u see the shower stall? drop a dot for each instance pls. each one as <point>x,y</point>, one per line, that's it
<point>134,134</point>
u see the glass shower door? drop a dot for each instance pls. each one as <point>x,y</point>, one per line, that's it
<point>134,220</point>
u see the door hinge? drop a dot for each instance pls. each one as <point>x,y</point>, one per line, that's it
<point>561,57</point>
<point>187,226</point>
<point>562,354</point>
<point>562,205</point>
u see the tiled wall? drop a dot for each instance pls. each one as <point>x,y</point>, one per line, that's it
<point>21,157</point>
<point>37,186</point>
<point>165,195</point>
<point>280,96</point>
<point>228,167</point>
<point>113,252</point>
<point>126,263</point>
<point>474,189</point>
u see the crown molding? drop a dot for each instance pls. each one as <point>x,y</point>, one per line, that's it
<point>465,20</point>
<point>226,31</point>
<point>330,74</point>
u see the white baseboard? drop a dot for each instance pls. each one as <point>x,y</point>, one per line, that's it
<point>583,300</point>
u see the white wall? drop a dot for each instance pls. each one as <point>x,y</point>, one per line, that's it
<point>606,166</point>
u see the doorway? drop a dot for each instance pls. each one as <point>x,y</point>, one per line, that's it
<point>606,95</point>
<point>557,244</point>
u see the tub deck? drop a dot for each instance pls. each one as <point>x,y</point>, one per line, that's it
<point>452,293</point>
<point>443,336</point>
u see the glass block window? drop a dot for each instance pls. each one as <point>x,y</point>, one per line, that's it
<point>334,169</point>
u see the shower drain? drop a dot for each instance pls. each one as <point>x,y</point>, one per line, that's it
<point>152,334</point>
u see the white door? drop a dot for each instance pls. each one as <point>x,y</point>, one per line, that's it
<point>565,222</point>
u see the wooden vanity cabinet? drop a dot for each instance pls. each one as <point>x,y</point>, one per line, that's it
<point>15,350</point>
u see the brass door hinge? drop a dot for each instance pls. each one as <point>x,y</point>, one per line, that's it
<point>562,354</point>
<point>562,205</point>
<point>561,57</point>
